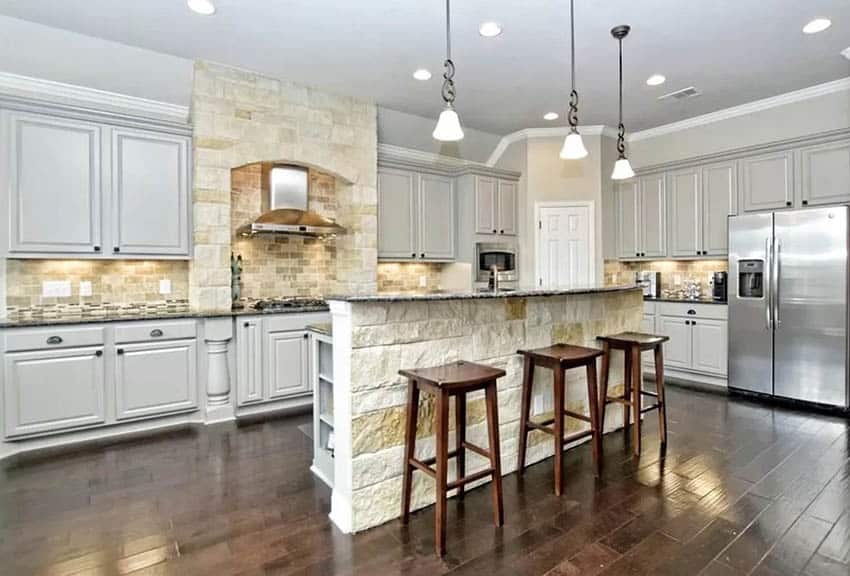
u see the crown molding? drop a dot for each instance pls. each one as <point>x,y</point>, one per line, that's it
<point>406,158</point>
<point>549,132</point>
<point>59,93</point>
<point>840,85</point>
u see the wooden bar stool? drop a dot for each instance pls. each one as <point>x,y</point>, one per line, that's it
<point>632,344</point>
<point>455,379</point>
<point>560,358</point>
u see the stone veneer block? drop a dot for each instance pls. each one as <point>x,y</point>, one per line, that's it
<point>374,340</point>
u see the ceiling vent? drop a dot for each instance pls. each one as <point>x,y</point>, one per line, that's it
<point>682,94</point>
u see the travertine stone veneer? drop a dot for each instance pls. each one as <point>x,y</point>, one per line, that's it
<point>242,117</point>
<point>373,340</point>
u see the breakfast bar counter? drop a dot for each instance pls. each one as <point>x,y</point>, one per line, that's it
<point>376,335</point>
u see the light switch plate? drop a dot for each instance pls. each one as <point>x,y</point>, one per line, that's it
<point>56,288</point>
<point>423,281</point>
<point>165,286</point>
<point>85,288</point>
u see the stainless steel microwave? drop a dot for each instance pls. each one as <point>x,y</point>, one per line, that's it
<point>502,256</point>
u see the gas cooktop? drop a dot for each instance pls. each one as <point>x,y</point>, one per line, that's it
<point>272,304</point>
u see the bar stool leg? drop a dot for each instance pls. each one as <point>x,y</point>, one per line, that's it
<point>627,391</point>
<point>593,399</point>
<point>603,395</point>
<point>460,438</point>
<point>659,388</point>
<point>558,413</point>
<point>525,411</point>
<point>495,450</point>
<point>442,413</point>
<point>637,379</point>
<point>409,447</point>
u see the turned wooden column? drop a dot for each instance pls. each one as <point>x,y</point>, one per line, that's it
<point>218,333</point>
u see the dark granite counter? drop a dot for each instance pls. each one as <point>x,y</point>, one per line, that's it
<point>471,295</point>
<point>684,300</point>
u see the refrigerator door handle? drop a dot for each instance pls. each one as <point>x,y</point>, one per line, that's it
<point>777,271</point>
<point>768,323</point>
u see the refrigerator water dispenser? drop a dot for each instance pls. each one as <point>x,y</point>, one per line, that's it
<point>750,279</point>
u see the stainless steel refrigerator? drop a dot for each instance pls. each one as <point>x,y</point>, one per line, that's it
<point>788,312</point>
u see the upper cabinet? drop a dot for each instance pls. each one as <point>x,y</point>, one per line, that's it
<point>825,174</point>
<point>627,220</point>
<point>495,206</point>
<point>416,216</point>
<point>685,212</point>
<point>94,190</point>
<point>767,181</point>
<point>719,201</point>
<point>641,218</point>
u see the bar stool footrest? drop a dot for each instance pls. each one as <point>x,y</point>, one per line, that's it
<point>470,478</point>
<point>617,400</point>
<point>655,406</point>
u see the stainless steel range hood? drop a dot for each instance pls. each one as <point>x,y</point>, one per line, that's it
<point>285,206</point>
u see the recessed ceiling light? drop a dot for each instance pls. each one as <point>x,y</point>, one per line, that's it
<point>846,52</point>
<point>550,116</point>
<point>656,80</point>
<point>204,7</point>
<point>422,74</point>
<point>490,29</point>
<point>817,25</point>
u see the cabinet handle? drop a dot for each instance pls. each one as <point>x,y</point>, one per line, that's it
<point>99,353</point>
<point>788,203</point>
<point>413,255</point>
<point>805,202</point>
<point>422,255</point>
<point>156,333</point>
<point>494,230</point>
<point>687,322</point>
<point>693,322</point>
<point>692,312</point>
<point>501,231</point>
<point>247,324</point>
<point>54,340</point>
<point>97,248</point>
<point>116,249</point>
<point>306,336</point>
<point>120,351</point>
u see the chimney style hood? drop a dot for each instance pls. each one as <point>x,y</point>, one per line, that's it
<point>284,206</point>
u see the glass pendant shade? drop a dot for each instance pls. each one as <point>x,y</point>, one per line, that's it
<point>573,147</point>
<point>448,126</point>
<point>622,170</point>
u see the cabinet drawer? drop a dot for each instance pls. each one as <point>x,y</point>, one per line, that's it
<point>688,310</point>
<point>151,331</point>
<point>285,322</point>
<point>49,338</point>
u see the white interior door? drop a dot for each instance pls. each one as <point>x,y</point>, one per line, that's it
<point>565,245</point>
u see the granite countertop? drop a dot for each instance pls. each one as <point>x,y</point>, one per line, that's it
<point>684,300</point>
<point>75,314</point>
<point>471,294</point>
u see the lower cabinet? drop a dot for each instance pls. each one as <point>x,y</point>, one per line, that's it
<point>710,351</point>
<point>287,364</point>
<point>55,389</point>
<point>677,350</point>
<point>155,378</point>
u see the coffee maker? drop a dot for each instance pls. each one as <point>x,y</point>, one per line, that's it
<point>719,283</point>
<point>650,282</point>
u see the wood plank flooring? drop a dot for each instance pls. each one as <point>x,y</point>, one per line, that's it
<point>743,489</point>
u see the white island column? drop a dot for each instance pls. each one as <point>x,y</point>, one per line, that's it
<point>218,333</point>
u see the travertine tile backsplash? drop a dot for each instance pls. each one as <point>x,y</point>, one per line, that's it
<point>617,272</point>
<point>404,276</point>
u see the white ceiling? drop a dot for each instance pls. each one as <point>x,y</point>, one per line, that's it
<point>733,51</point>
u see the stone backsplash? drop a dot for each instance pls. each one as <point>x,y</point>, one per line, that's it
<point>617,272</point>
<point>112,281</point>
<point>405,276</point>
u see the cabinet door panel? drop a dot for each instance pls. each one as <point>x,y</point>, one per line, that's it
<point>710,346</point>
<point>249,361</point>
<point>49,390</point>
<point>677,350</point>
<point>485,205</point>
<point>826,173</point>
<point>286,364</point>
<point>155,378</point>
<point>507,208</point>
<point>150,193</point>
<point>768,181</point>
<point>627,220</point>
<point>54,184</point>
<point>436,218</point>
<point>397,214</point>
<point>653,222</point>
<point>685,212</point>
<point>719,190</point>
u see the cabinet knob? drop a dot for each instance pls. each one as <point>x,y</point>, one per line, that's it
<point>422,255</point>
<point>97,248</point>
<point>247,324</point>
<point>306,336</point>
<point>687,322</point>
<point>501,231</point>
<point>156,333</point>
<point>494,230</point>
<point>413,255</point>
<point>54,340</point>
<point>120,351</point>
<point>99,353</point>
<point>116,249</point>
<point>692,312</point>
<point>805,202</point>
<point>788,203</point>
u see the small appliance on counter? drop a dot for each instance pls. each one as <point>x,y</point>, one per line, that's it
<point>501,256</point>
<point>650,282</point>
<point>719,283</point>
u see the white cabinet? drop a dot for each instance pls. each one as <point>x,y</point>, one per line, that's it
<point>507,208</point>
<point>54,184</point>
<point>685,213</point>
<point>627,220</point>
<point>698,337</point>
<point>677,350</point>
<point>719,201</point>
<point>701,200</point>
<point>154,378</point>
<point>51,390</point>
<point>416,216</point>
<point>641,218</point>
<point>825,174</point>
<point>495,206</point>
<point>287,368</point>
<point>94,190</point>
<point>249,360</point>
<point>710,345</point>
<point>150,193</point>
<point>767,181</point>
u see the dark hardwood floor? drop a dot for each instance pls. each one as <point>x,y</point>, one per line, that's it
<point>744,488</point>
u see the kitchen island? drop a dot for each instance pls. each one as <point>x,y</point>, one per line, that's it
<point>374,336</point>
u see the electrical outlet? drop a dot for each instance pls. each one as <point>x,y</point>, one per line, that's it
<point>537,409</point>
<point>56,288</point>
<point>85,288</point>
<point>423,281</point>
<point>165,286</point>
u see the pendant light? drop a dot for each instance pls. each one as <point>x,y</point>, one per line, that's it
<point>622,168</point>
<point>448,126</point>
<point>573,146</point>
